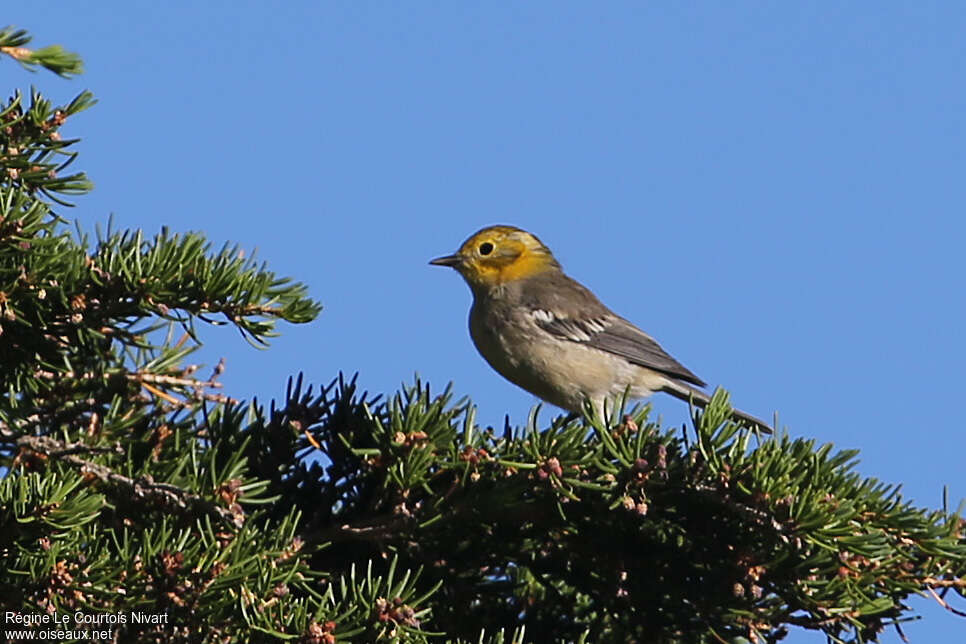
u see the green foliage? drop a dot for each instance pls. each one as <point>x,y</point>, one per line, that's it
<point>54,58</point>
<point>131,486</point>
<point>35,156</point>
<point>642,534</point>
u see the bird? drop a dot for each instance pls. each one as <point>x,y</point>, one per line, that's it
<point>550,335</point>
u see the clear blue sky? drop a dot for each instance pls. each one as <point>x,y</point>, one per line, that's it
<point>774,191</point>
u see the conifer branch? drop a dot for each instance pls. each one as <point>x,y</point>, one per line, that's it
<point>53,58</point>
<point>123,475</point>
<point>144,488</point>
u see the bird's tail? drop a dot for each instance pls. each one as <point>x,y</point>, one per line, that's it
<point>687,393</point>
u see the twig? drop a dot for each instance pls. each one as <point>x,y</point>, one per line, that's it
<point>945,583</point>
<point>134,377</point>
<point>55,449</point>
<point>160,394</point>
<point>376,529</point>
<point>942,602</point>
<point>166,494</point>
<point>172,380</point>
<point>17,53</point>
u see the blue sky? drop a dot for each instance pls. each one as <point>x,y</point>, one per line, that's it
<point>775,192</point>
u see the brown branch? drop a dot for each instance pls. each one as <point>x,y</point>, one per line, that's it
<point>144,379</point>
<point>17,53</point>
<point>942,602</point>
<point>144,487</point>
<point>134,377</point>
<point>377,529</point>
<point>815,623</point>
<point>53,448</point>
<point>233,312</point>
<point>172,380</point>
<point>160,394</point>
<point>944,583</point>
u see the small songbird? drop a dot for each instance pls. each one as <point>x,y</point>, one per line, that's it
<point>548,334</point>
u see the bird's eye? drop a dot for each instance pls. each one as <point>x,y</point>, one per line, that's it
<point>486,248</point>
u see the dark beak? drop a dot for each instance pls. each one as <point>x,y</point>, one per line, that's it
<point>448,260</point>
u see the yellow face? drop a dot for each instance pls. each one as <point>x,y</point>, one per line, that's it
<point>499,254</point>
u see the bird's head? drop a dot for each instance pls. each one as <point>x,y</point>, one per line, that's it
<point>497,255</point>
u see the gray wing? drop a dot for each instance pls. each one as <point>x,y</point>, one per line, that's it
<point>614,334</point>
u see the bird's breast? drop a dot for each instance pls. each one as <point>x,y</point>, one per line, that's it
<point>495,337</point>
<point>520,352</point>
